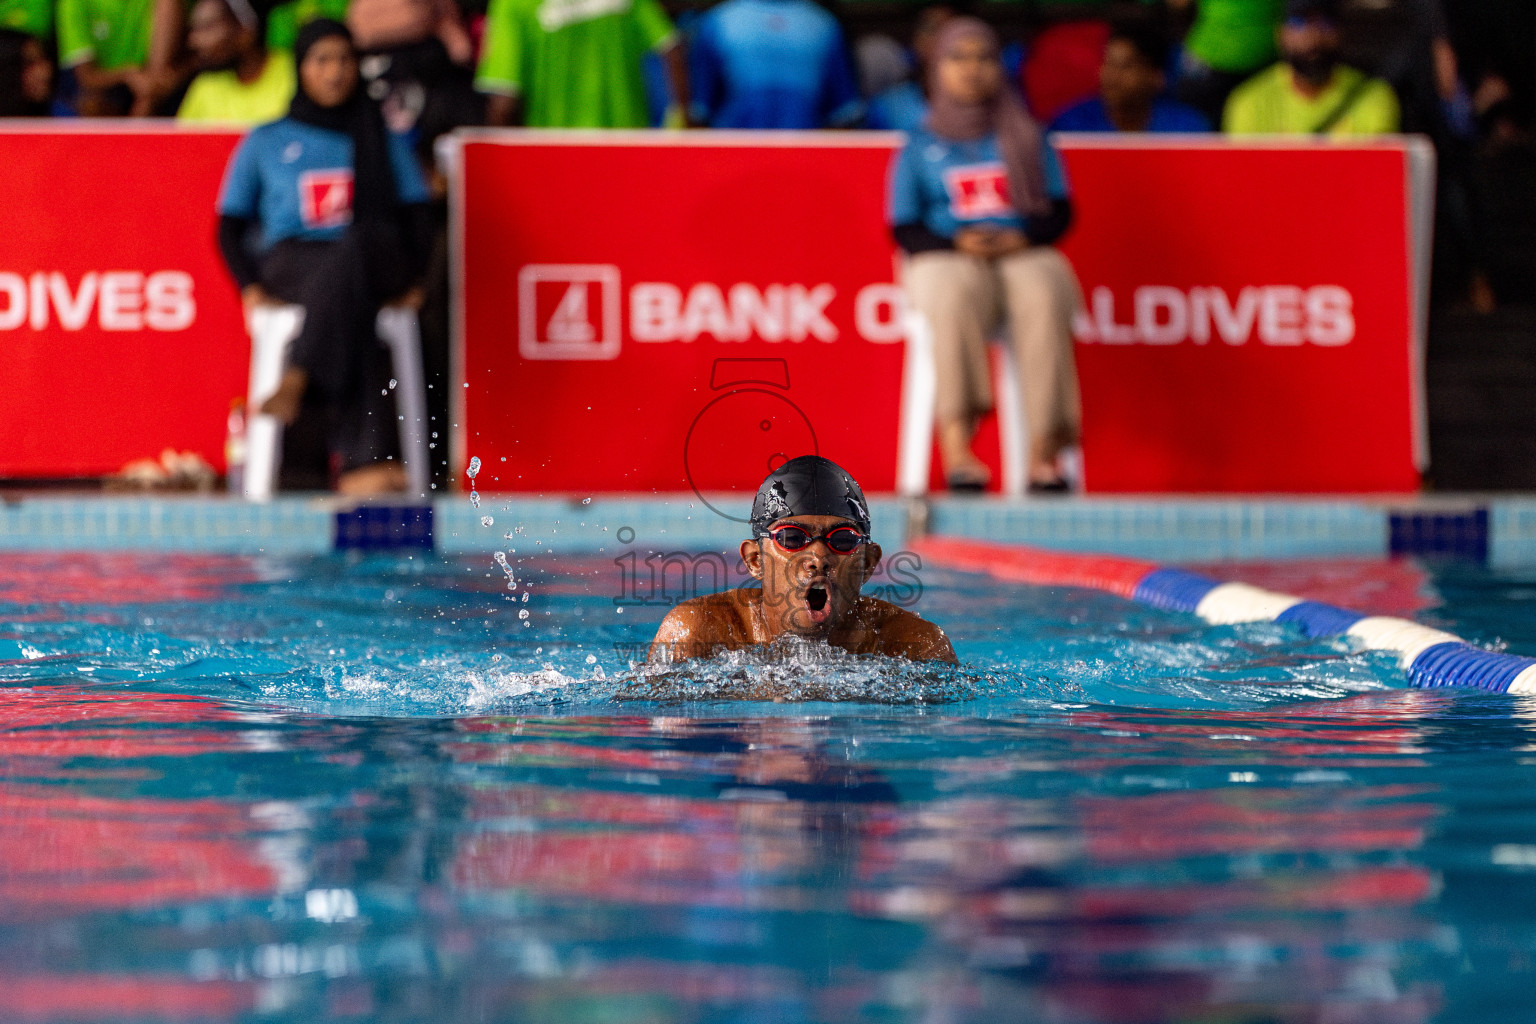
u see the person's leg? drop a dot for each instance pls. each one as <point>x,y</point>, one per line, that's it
<point>1041,295</point>
<point>337,354</point>
<point>958,297</point>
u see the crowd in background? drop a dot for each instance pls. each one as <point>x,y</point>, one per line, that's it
<point>1464,74</point>
<point>976,85</point>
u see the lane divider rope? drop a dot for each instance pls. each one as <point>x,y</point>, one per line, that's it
<point>1429,657</point>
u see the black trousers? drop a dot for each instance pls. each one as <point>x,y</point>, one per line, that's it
<point>342,284</point>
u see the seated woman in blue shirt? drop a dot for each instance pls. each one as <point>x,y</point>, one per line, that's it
<point>339,209</point>
<point>977,197</point>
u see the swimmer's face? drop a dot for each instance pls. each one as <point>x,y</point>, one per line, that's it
<point>809,592</point>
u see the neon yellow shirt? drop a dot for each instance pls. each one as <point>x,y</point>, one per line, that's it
<point>112,33</point>
<point>1269,103</point>
<point>576,63</point>
<point>221,96</point>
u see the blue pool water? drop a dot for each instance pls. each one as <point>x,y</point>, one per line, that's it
<point>362,789</point>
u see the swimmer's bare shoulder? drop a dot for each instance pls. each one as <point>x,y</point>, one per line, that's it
<point>702,626</point>
<point>900,633</point>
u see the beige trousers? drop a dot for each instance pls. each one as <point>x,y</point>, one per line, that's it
<point>964,298</point>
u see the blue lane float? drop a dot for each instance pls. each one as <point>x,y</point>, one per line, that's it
<point>1429,657</point>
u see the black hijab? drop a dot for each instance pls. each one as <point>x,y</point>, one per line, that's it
<point>374,195</point>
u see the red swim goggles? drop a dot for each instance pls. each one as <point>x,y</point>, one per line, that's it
<point>842,539</point>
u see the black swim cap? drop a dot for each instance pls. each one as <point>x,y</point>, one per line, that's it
<point>808,486</point>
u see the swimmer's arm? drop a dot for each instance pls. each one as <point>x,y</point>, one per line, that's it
<point>691,630</point>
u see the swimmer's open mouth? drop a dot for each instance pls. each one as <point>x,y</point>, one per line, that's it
<point>816,598</point>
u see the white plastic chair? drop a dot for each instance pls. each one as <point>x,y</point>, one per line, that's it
<point>272,329</point>
<point>918,390</point>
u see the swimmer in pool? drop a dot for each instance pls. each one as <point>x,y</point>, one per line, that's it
<point>812,551</point>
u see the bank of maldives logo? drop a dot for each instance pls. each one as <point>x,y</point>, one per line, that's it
<point>325,198</point>
<point>568,311</point>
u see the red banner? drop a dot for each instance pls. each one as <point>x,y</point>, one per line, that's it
<point>659,311</point>
<point>121,330</point>
<point>1250,316</point>
<point>663,312</point>
<point>1249,323</point>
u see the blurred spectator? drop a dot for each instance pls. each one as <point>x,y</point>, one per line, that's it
<point>1061,69</point>
<point>576,63</point>
<point>416,57</point>
<point>977,197</point>
<point>241,81</point>
<point>383,25</point>
<point>880,63</point>
<point>1229,40</point>
<point>1131,85</point>
<point>904,106</point>
<point>32,17</point>
<point>1496,42</point>
<point>26,75</point>
<point>1407,43</point>
<point>106,43</point>
<point>341,208</point>
<point>1309,92</point>
<point>772,64</point>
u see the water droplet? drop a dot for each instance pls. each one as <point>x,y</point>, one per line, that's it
<point>618,611</point>
<point>525,597</point>
<point>501,560</point>
<point>393,383</point>
<point>474,499</point>
<point>586,501</point>
<point>538,650</point>
<point>487,521</point>
<point>527,624</point>
<point>522,613</point>
<point>591,659</point>
<point>474,467</point>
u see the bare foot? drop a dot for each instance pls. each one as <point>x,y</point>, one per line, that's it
<point>367,481</point>
<point>284,402</point>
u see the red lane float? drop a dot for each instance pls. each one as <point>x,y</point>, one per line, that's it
<point>1016,563</point>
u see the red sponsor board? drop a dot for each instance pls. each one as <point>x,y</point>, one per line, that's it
<point>649,312</point>
<point>121,331</point>
<point>1250,316</point>
<point>643,311</point>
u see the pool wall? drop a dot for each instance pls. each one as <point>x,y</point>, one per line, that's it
<point>1499,531</point>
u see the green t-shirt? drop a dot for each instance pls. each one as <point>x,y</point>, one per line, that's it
<point>1268,103</point>
<point>34,17</point>
<point>221,96</point>
<point>576,63</point>
<point>112,33</point>
<point>1235,35</point>
<point>286,19</point>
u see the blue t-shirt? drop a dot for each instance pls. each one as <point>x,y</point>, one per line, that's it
<point>948,185</point>
<point>296,180</point>
<point>771,64</point>
<point>902,107</point>
<point>1167,116</point>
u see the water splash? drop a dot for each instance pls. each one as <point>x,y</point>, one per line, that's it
<point>501,560</point>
